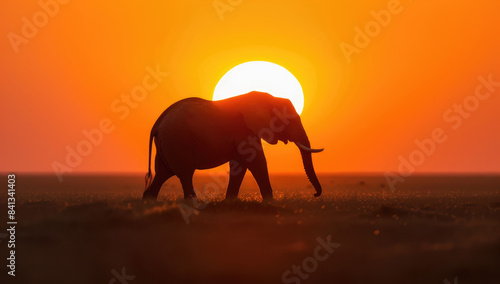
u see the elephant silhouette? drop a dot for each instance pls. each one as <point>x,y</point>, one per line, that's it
<point>194,133</point>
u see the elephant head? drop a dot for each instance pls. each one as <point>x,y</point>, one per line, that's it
<point>275,119</point>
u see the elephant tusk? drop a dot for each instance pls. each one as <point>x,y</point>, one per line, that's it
<point>305,148</point>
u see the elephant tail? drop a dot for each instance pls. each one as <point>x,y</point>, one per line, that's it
<point>149,177</point>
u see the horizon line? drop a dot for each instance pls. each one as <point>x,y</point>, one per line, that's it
<point>46,173</point>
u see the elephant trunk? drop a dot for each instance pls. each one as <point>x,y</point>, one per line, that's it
<point>308,165</point>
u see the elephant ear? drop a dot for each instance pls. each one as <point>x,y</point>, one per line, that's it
<point>257,118</point>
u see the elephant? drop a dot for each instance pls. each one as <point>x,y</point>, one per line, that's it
<point>195,134</point>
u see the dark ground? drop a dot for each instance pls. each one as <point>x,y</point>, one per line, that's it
<point>432,229</point>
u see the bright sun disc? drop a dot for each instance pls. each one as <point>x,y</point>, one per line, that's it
<point>260,76</point>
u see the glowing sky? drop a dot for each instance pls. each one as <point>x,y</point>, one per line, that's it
<point>260,76</point>
<point>376,76</point>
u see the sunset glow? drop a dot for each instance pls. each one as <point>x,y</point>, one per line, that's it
<point>375,75</point>
<point>260,76</point>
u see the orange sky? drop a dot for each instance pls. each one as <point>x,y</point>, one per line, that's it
<point>366,111</point>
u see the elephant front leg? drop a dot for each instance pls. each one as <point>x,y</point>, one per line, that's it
<point>236,174</point>
<point>258,168</point>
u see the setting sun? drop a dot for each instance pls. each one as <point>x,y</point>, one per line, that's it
<point>260,76</point>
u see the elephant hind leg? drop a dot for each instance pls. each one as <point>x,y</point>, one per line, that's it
<point>187,184</point>
<point>162,174</point>
<point>236,175</point>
